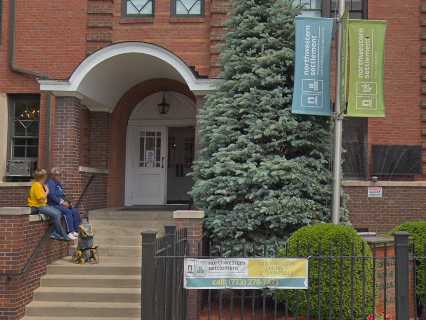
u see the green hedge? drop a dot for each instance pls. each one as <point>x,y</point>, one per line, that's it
<point>333,294</point>
<point>417,231</point>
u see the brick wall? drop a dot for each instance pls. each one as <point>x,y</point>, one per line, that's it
<point>399,204</point>
<point>18,238</point>
<point>66,145</point>
<point>13,196</point>
<point>402,124</point>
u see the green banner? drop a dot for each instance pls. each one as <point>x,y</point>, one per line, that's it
<point>344,61</point>
<point>366,64</point>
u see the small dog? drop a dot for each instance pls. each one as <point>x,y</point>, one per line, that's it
<point>86,251</point>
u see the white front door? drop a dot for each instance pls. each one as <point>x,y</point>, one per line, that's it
<point>146,165</point>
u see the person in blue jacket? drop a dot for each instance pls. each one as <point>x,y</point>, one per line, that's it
<point>57,199</point>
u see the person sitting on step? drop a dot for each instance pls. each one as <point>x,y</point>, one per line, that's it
<point>57,199</point>
<point>37,201</point>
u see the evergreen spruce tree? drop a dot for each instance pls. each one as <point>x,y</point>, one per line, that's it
<point>262,172</point>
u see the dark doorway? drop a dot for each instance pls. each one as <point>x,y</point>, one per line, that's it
<point>180,157</point>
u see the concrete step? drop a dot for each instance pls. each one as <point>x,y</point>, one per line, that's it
<point>94,269</point>
<point>82,309</point>
<point>129,215</point>
<point>80,318</point>
<point>76,294</point>
<point>91,281</point>
<point>112,261</point>
<point>106,239</point>
<point>119,251</point>
<point>129,223</point>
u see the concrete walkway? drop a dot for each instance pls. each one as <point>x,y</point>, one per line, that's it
<point>109,290</point>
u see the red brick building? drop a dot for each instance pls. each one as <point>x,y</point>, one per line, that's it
<point>111,89</point>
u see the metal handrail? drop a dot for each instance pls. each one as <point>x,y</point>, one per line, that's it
<point>34,254</point>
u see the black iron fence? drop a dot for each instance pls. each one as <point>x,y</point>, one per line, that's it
<point>382,281</point>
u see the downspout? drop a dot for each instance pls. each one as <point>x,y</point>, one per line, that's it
<point>12,49</point>
<point>13,66</point>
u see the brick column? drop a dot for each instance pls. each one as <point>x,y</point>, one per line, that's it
<point>193,222</point>
<point>66,144</point>
<point>200,100</point>
<point>20,233</point>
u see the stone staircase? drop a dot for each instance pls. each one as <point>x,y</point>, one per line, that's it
<point>109,290</point>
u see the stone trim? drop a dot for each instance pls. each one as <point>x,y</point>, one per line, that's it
<point>92,170</point>
<point>412,184</point>
<point>188,214</point>
<point>14,184</point>
<point>14,211</point>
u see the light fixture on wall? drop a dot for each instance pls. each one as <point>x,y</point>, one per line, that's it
<point>163,106</point>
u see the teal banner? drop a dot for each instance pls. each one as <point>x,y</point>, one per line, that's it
<point>313,65</point>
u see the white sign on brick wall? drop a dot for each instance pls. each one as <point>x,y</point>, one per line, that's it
<point>375,192</point>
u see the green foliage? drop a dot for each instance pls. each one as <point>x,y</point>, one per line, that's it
<point>339,280</point>
<point>417,231</point>
<point>262,172</point>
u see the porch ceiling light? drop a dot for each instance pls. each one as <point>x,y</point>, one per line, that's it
<point>163,106</point>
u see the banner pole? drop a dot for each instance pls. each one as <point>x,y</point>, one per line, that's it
<point>338,128</point>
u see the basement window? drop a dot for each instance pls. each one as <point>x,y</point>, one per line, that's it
<point>138,8</point>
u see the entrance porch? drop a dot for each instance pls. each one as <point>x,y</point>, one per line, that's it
<point>125,121</point>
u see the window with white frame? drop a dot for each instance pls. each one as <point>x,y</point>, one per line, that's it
<point>188,7</point>
<point>24,115</point>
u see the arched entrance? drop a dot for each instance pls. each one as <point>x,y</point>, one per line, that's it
<point>160,148</point>
<point>113,82</point>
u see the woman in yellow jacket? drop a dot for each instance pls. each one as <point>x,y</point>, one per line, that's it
<point>37,201</point>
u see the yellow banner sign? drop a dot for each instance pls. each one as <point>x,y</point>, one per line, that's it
<point>246,273</point>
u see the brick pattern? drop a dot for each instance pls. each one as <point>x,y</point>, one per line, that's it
<point>18,238</point>
<point>423,78</point>
<point>195,235</point>
<point>99,24</point>
<point>399,204</point>
<point>218,15</point>
<point>13,196</point>
<point>402,124</point>
<point>82,138</point>
<point>66,146</point>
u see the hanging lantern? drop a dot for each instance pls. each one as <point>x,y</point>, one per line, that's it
<point>163,106</point>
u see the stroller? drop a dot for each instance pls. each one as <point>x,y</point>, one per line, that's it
<point>86,251</point>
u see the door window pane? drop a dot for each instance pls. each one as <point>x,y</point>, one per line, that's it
<point>150,149</point>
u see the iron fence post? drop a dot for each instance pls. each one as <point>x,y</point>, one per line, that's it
<point>170,233</point>
<point>402,275</point>
<point>147,275</point>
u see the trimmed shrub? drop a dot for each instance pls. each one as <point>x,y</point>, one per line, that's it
<point>336,284</point>
<point>417,231</point>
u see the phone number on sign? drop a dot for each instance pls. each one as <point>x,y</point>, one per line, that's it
<point>258,283</point>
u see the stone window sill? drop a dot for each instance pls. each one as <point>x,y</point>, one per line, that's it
<point>363,183</point>
<point>14,184</point>
<point>134,20</point>
<point>186,19</point>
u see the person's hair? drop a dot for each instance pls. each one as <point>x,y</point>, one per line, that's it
<point>55,171</point>
<point>40,174</point>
